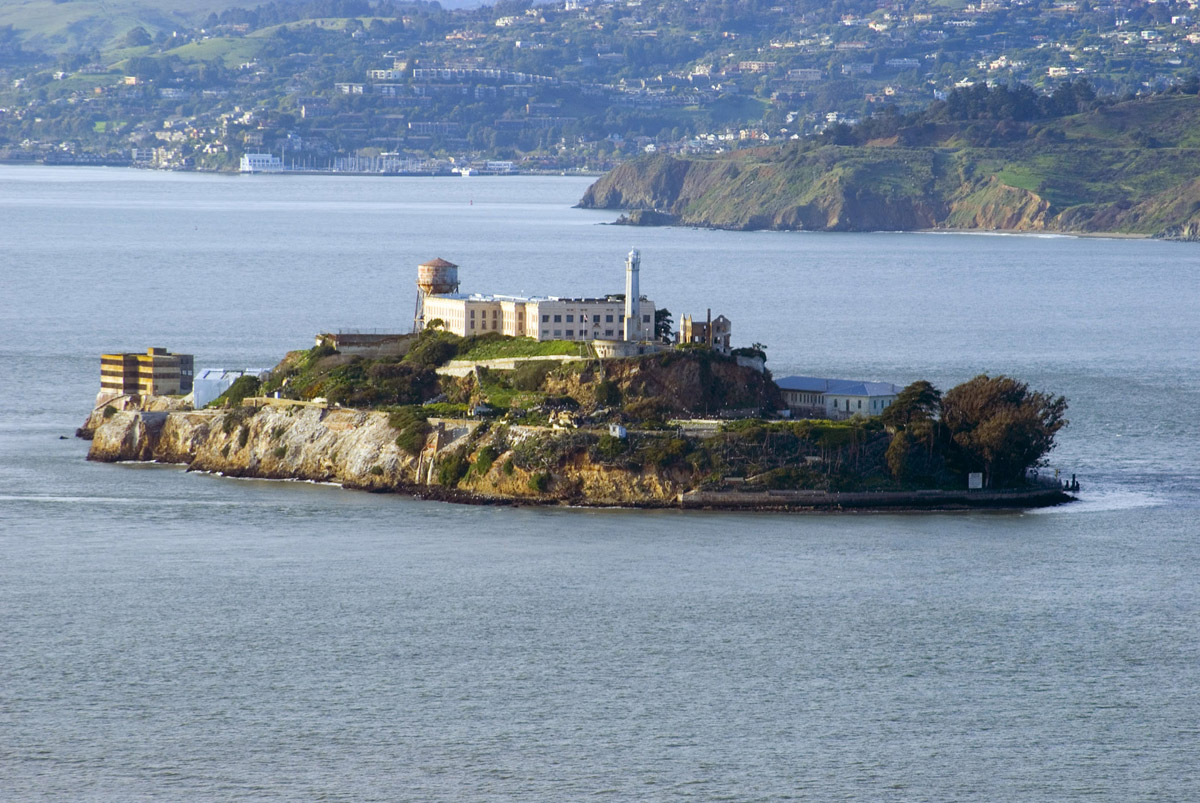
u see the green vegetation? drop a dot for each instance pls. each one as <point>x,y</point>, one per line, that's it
<point>452,469</point>
<point>926,439</point>
<point>484,459</point>
<point>109,411</point>
<point>242,388</point>
<point>412,426</point>
<point>955,164</point>
<point>492,347</point>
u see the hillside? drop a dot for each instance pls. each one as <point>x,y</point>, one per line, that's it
<point>1128,168</point>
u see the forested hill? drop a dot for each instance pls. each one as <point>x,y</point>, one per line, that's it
<point>998,159</point>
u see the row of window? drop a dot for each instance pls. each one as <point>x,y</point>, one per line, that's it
<point>876,404</point>
<point>496,314</point>
<point>595,319</point>
<point>570,333</point>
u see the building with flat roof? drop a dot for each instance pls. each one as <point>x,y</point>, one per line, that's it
<point>158,372</point>
<point>212,382</point>
<point>627,317</point>
<point>836,398</point>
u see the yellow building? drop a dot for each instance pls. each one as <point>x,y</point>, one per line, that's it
<point>155,373</point>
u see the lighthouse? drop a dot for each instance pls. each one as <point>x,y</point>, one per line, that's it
<point>633,307</point>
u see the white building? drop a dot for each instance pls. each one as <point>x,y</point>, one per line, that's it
<point>836,398</point>
<point>210,383</point>
<point>261,163</point>
<point>614,317</point>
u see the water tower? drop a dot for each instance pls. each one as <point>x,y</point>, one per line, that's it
<point>434,278</point>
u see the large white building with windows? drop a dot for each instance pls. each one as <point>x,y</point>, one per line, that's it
<point>628,317</point>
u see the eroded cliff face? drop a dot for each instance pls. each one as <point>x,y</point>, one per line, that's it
<point>357,449</point>
<point>351,447</point>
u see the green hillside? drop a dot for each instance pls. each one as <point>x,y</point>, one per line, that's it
<point>1130,167</point>
<point>78,25</point>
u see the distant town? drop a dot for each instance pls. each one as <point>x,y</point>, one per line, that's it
<point>576,85</point>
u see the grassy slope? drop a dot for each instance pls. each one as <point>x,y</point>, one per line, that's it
<point>523,347</point>
<point>1100,176</point>
<point>82,24</point>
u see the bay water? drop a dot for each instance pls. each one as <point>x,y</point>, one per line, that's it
<point>166,634</point>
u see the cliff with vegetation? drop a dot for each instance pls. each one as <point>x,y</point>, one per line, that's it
<point>1098,171</point>
<point>632,432</point>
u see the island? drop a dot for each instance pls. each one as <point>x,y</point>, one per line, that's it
<point>490,402</point>
<point>986,158</point>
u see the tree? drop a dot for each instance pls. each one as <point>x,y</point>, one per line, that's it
<point>137,37</point>
<point>919,402</point>
<point>663,324</point>
<point>997,425</point>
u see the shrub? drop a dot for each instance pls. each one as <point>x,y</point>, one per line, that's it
<point>452,469</point>
<point>508,468</point>
<point>377,471</point>
<point>530,376</point>
<point>484,460</point>
<point>664,452</point>
<point>242,387</point>
<point>539,481</point>
<point>433,348</point>
<point>411,424</point>
<point>280,451</point>
<point>611,447</point>
<point>243,436</point>
<point>277,431</point>
<point>608,394</point>
<point>110,411</point>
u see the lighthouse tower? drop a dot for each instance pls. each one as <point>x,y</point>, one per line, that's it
<point>633,307</point>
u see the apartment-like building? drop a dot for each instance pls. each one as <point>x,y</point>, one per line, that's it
<point>155,373</point>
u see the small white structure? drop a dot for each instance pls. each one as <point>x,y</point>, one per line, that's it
<point>836,398</point>
<point>212,382</point>
<point>261,163</point>
<point>618,431</point>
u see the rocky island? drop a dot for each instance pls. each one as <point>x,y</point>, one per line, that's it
<point>996,159</point>
<point>688,427</point>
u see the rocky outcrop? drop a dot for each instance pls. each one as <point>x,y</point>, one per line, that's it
<point>357,449</point>
<point>351,447</point>
<point>108,405</point>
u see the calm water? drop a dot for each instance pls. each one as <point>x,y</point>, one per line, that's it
<point>165,634</point>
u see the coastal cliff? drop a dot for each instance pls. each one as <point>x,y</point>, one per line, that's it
<point>1081,174</point>
<point>466,461</point>
<point>460,459</point>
